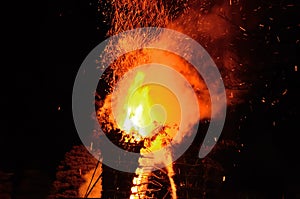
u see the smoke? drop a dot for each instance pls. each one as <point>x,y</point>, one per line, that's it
<point>214,24</point>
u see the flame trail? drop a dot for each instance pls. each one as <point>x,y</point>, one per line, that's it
<point>171,173</point>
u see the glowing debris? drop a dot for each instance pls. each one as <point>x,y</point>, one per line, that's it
<point>285,92</point>
<point>243,29</point>
<point>278,39</point>
<point>91,146</point>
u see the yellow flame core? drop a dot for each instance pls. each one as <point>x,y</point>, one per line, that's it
<point>137,106</point>
<point>138,112</point>
<point>142,109</point>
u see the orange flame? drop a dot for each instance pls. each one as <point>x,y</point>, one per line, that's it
<point>133,105</point>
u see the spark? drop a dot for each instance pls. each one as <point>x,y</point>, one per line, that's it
<point>243,29</point>
<point>290,5</point>
<point>278,39</point>
<point>285,92</point>
<point>224,178</point>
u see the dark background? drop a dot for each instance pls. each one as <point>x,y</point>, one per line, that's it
<point>51,39</point>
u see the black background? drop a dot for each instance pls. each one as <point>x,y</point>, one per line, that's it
<point>49,40</point>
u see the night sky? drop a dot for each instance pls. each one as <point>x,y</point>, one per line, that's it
<point>58,35</point>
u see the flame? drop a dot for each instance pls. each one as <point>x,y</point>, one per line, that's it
<point>171,173</point>
<point>137,108</point>
<point>147,111</point>
<point>151,112</point>
<point>142,109</point>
